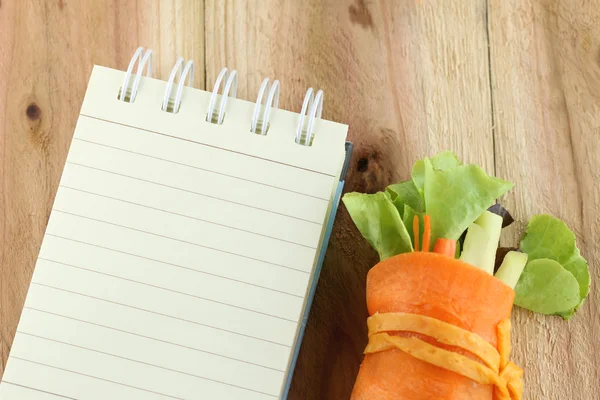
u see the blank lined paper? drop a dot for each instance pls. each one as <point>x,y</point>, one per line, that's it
<point>175,264</point>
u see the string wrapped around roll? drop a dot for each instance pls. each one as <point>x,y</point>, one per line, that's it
<point>439,329</point>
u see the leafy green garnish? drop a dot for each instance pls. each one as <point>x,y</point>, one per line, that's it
<point>456,197</point>
<point>379,222</point>
<point>547,237</point>
<point>406,193</point>
<point>452,194</point>
<point>546,287</point>
<point>441,162</point>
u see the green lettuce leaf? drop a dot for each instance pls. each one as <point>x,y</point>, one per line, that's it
<point>379,221</point>
<point>406,193</point>
<point>546,287</point>
<point>442,162</point>
<point>455,197</point>
<point>452,194</point>
<point>547,237</point>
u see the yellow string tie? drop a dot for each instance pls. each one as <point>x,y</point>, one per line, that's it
<point>498,371</point>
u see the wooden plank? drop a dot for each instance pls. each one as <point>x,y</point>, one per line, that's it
<point>48,51</point>
<point>545,94</point>
<point>409,81</point>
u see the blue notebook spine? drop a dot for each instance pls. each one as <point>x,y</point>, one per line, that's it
<point>318,268</point>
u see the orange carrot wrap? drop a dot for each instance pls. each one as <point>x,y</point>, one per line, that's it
<point>449,290</point>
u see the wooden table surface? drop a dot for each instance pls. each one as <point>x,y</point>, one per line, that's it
<point>513,85</point>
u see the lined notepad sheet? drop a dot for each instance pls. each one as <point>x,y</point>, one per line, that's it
<point>178,253</point>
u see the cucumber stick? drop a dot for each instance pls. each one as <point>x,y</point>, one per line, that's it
<point>476,240</point>
<point>492,224</point>
<point>511,268</point>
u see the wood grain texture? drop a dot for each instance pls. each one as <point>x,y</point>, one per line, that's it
<point>48,49</point>
<point>406,79</point>
<point>410,78</point>
<point>546,92</point>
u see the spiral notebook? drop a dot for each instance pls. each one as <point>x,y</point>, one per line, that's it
<point>183,246</point>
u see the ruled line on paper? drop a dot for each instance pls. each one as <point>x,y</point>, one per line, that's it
<point>94,377</point>
<point>179,240</point>
<point>188,216</point>
<point>199,168</point>
<point>168,290</point>
<point>204,144</point>
<point>39,390</point>
<point>193,192</point>
<point>143,362</point>
<point>158,313</point>
<point>155,339</point>
<point>176,265</point>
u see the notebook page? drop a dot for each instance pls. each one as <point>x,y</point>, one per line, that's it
<point>176,260</point>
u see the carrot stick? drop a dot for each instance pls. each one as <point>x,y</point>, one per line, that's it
<point>446,247</point>
<point>426,232</point>
<point>416,231</point>
<point>439,287</point>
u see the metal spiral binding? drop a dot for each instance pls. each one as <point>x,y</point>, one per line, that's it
<point>186,73</point>
<point>144,59</point>
<point>314,105</point>
<point>230,87</point>
<point>272,101</point>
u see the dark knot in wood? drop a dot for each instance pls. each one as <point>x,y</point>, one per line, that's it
<point>362,165</point>
<point>360,14</point>
<point>33,112</point>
